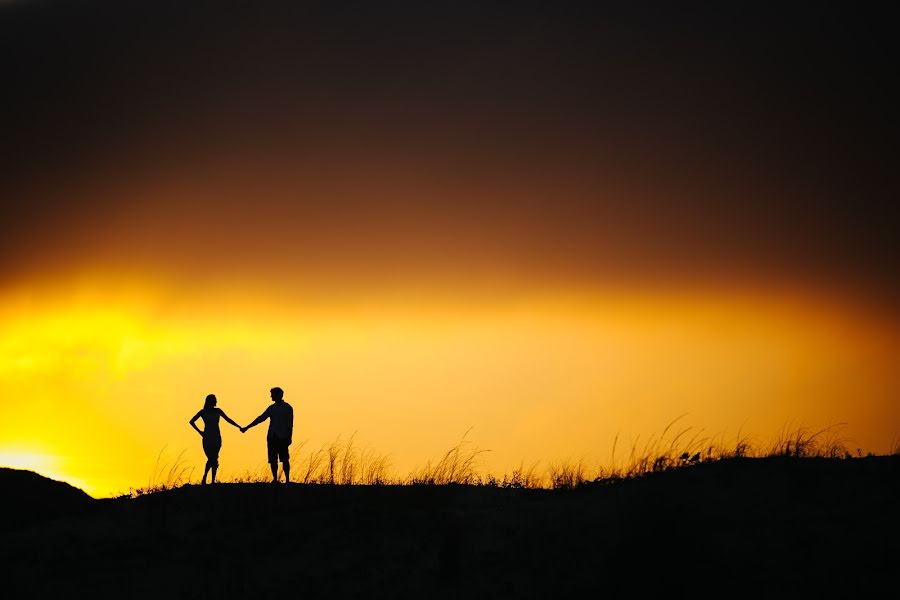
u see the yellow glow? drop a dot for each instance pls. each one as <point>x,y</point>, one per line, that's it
<point>42,463</point>
<point>103,382</point>
<point>25,460</point>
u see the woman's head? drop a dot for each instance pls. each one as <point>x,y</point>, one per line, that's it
<point>210,401</point>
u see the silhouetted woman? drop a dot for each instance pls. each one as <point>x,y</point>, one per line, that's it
<point>212,437</point>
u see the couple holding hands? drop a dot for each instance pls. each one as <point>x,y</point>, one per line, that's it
<point>281,427</point>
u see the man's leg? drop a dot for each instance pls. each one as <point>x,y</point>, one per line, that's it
<point>272,449</point>
<point>287,471</point>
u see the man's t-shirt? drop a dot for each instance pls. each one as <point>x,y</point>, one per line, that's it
<point>281,420</point>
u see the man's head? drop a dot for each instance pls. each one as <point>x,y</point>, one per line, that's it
<point>277,394</point>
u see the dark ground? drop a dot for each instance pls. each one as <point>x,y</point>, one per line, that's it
<point>774,526</point>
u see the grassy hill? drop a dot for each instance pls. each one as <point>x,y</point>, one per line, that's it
<point>779,525</point>
<point>27,497</point>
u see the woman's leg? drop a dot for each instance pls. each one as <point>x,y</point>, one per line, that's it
<point>211,448</point>
<point>215,459</point>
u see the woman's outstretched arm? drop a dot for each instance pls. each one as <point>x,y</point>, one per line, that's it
<point>227,418</point>
<point>194,425</point>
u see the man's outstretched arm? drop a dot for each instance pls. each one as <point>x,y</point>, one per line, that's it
<point>256,421</point>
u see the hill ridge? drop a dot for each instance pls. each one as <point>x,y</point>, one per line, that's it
<point>777,523</point>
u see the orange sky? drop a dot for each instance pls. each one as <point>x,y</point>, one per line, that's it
<point>549,227</point>
<point>98,379</point>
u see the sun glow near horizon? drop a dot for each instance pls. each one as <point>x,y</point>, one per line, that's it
<point>107,380</point>
<point>48,465</point>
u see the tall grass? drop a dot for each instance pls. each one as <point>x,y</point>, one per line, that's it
<point>678,447</point>
<point>168,473</point>
<point>458,465</point>
<point>523,477</point>
<point>345,462</point>
<point>805,442</point>
<point>567,475</point>
<point>339,462</point>
<point>342,462</point>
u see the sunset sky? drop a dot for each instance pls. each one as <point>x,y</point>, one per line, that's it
<point>549,225</point>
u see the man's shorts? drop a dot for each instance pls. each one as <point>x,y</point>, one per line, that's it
<point>278,449</point>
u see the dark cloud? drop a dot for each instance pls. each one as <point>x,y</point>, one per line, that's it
<point>583,139</point>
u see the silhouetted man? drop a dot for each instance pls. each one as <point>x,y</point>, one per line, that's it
<point>281,428</point>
